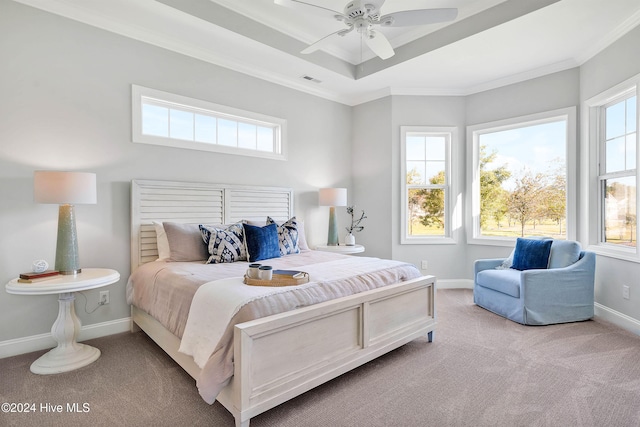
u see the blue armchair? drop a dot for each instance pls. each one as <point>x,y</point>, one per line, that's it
<point>561,293</point>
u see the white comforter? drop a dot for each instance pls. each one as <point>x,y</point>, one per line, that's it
<point>218,305</point>
<point>212,308</point>
<point>216,302</point>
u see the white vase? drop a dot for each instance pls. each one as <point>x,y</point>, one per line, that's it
<point>350,239</point>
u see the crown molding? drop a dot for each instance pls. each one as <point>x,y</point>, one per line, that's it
<point>521,77</point>
<point>629,24</point>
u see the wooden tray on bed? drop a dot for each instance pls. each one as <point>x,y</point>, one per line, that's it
<point>279,280</point>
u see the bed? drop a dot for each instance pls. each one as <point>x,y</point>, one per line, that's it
<point>282,355</point>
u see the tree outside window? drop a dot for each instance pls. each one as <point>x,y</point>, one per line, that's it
<point>618,177</point>
<point>522,177</point>
<point>426,186</point>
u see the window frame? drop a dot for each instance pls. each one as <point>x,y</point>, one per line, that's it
<point>452,221</point>
<point>473,167</point>
<point>210,109</point>
<point>594,173</point>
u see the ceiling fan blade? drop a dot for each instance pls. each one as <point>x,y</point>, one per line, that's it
<point>379,44</point>
<point>409,18</point>
<point>325,41</point>
<point>310,8</point>
<point>402,5</point>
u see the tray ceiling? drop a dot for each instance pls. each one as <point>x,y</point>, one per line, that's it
<point>491,43</point>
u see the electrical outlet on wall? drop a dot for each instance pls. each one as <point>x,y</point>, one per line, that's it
<point>424,265</point>
<point>104,297</point>
<point>625,291</point>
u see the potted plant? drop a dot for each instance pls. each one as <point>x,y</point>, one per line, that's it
<point>350,239</point>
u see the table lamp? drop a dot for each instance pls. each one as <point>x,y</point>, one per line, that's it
<point>333,197</point>
<point>65,189</point>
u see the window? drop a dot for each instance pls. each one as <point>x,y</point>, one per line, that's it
<point>609,205</point>
<point>163,118</point>
<point>617,174</point>
<point>521,184</point>
<point>426,188</point>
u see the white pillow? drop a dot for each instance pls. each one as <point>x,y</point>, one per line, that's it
<point>164,253</point>
<point>302,239</point>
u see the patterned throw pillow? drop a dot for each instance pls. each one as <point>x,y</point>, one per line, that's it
<point>287,236</point>
<point>225,244</point>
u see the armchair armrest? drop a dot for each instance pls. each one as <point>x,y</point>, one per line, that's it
<point>560,291</point>
<point>486,264</point>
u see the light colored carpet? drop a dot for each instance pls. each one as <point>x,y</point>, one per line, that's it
<point>481,370</point>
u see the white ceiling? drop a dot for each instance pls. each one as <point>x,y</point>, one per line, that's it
<point>491,43</point>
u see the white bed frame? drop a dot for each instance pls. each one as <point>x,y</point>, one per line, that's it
<point>282,356</point>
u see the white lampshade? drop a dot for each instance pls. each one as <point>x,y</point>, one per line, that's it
<point>59,187</point>
<point>333,197</point>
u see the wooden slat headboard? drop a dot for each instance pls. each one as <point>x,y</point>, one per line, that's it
<point>198,203</point>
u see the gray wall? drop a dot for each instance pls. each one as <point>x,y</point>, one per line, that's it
<point>428,111</point>
<point>372,176</point>
<point>65,105</point>
<point>612,66</point>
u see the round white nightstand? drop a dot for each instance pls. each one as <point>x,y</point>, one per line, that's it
<point>341,249</point>
<point>69,354</point>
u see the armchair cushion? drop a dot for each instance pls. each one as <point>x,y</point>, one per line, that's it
<point>505,281</point>
<point>531,254</point>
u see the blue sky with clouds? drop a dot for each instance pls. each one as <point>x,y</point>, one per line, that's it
<point>538,148</point>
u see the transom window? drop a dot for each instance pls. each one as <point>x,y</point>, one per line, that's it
<point>172,120</point>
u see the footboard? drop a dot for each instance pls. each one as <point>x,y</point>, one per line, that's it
<point>285,355</point>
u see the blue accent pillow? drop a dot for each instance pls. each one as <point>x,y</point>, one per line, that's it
<point>262,242</point>
<point>225,244</point>
<point>531,254</point>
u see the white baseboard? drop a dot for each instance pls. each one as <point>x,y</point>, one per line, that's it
<point>18,346</point>
<point>454,284</point>
<point>617,318</point>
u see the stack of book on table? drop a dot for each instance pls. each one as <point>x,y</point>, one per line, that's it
<point>37,277</point>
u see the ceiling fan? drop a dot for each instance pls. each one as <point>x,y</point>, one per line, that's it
<point>364,15</point>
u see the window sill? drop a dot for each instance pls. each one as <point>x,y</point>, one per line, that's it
<point>622,255</point>
<point>496,241</point>
<point>428,241</point>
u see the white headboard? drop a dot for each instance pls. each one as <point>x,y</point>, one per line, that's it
<point>198,203</point>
